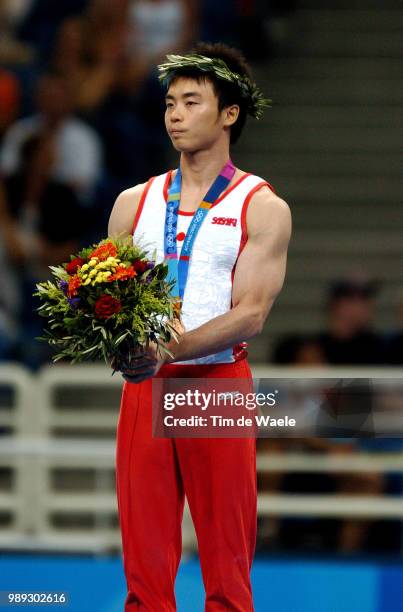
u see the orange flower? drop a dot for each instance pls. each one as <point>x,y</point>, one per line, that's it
<point>104,251</point>
<point>74,284</point>
<point>123,273</point>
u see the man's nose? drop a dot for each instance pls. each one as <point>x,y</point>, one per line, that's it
<point>176,115</point>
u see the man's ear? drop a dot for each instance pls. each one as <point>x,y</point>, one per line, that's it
<point>231,114</point>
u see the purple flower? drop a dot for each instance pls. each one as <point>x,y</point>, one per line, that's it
<point>74,302</point>
<point>149,266</point>
<point>64,286</point>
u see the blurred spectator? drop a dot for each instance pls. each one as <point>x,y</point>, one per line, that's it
<point>48,229</point>
<point>16,9</point>
<point>114,46</point>
<point>351,315</point>
<point>43,20</point>
<point>375,535</point>
<point>297,349</point>
<point>68,149</point>
<point>10,299</point>
<point>12,50</point>
<point>305,533</point>
<point>91,51</point>
<point>49,167</point>
<point>110,54</point>
<point>394,339</point>
<point>17,64</point>
<point>36,203</point>
<point>9,99</point>
<point>295,533</point>
<point>158,27</point>
<point>350,338</point>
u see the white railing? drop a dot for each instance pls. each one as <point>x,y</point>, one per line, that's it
<point>54,429</point>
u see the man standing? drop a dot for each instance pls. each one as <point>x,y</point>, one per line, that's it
<point>224,234</point>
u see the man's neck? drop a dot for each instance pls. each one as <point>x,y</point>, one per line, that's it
<point>200,169</point>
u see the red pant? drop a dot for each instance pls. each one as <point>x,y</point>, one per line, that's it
<point>218,477</point>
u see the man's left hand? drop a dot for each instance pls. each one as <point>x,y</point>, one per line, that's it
<point>148,361</point>
<point>143,365</point>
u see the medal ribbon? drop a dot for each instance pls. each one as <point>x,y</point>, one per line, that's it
<point>178,269</point>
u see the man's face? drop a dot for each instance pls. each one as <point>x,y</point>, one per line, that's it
<point>357,309</point>
<point>192,118</point>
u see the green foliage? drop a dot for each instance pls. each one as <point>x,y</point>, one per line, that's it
<point>76,332</point>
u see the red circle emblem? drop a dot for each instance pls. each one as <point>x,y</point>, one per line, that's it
<point>181,236</point>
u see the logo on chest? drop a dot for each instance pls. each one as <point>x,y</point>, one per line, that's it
<point>224,221</point>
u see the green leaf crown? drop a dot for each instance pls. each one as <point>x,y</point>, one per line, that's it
<point>253,96</point>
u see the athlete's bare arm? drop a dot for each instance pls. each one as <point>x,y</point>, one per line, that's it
<point>124,211</point>
<point>259,277</point>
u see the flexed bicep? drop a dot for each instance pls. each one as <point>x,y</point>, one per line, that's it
<point>260,269</point>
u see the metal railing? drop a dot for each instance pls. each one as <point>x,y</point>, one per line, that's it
<point>64,419</point>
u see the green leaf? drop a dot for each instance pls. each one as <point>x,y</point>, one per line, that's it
<point>90,350</point>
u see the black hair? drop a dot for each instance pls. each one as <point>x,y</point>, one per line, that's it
<point>226,92</point>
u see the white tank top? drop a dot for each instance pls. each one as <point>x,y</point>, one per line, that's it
<point>218,244</point>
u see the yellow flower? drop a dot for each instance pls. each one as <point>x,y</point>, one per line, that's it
<point>93,262</point>
<point>84,268</point>
<point>111,262</point>
<point>102,265</point>
<point>87,281</point>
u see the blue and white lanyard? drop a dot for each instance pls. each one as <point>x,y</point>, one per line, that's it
<point>178,269</point>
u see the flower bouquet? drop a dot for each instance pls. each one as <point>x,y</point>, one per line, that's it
<point>108,302</point>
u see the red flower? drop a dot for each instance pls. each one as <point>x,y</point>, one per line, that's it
<point>106,306</point>
<point>123,273</point>
<point>140,266</point>
<point>104,251</point>
<point>73,266</point>
<point>74,284</point>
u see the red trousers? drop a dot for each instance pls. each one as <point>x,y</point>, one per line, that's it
<point>218,477</point>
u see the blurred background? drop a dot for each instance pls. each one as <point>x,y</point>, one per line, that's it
<point>81,118</point>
